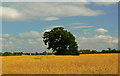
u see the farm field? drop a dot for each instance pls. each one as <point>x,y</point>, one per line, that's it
<point>51,64</point>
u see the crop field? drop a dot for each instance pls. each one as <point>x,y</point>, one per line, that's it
<point>51,64</point>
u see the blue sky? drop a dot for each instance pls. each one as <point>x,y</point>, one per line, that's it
<point>95,25</point>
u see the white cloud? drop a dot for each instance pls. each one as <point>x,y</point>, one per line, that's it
<point>35,41</point>
<point>76,23</point>
<point>104,3</point>
<point>4,35</point>
<point>101,30</point>
<point>57,26</point>
<point>16,40</point>
<point>42,10</point>
<point>31,34</point>
<point>51,18</point>
<point>2,39</point>
<point>86,30</point>
<point>76,27</point>
<point>10,14</point>
<point>32,42</point>
<point>44,1</point>
<point>87,33</point>
<point>27,42</point>
<point>103,0</point>
<point>8,44</point>
<point>115,41</point>
<point>60,1</point>
<point>98,42</point>
<point>39,39</point>
<point>103,37</point>
<point>47,30</point>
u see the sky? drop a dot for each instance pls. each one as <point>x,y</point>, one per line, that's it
<point>94,24</point>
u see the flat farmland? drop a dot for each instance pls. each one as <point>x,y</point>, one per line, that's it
<point>51,64</point>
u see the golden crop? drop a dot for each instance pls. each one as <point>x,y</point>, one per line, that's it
<point>51,64</point>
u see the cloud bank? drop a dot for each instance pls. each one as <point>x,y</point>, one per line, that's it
<point>45,11</point>
<point>101,30</point>
<point>32,42</point>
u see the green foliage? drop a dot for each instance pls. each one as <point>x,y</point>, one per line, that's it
<point>111,51</point>
<point>26,53</point>
<point>45,53</point>
<point>7,54</point>
<point>84,51</point>
<point>1,54</point>
<point>87,51</point>
<point>33,53</point>
<point>37,53</point>
<point>38,58</point>
<point>17,53</point>
<point>93,51</point>
<point>61,41</point>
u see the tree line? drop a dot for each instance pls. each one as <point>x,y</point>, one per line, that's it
<point>21,53</point>
<point>82,51</point>
<point>88,51</point>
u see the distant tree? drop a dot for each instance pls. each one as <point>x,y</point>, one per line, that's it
<point>50,53</point>
<point>26,53</point>
<point>118,51</point>
<point>17,53</point>
<point>1,54</point>
<point>33,53</point>
<point>7,54</point>
<point>93,51</point>
<point>114,51</point>
<point>44,53</point>
<point>37,53</point>
<point>109,50</point>
<point>86,51</point>
<point>103,51</point>
<point>60,41</point>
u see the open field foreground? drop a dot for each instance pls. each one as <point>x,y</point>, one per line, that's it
<point>44,64</point>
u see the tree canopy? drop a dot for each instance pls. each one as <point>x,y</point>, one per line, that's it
<point>60,41</point>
